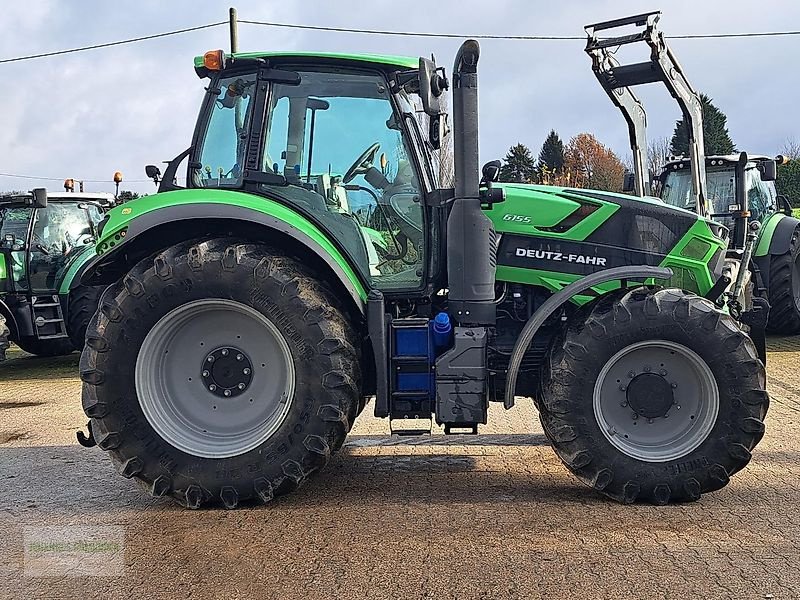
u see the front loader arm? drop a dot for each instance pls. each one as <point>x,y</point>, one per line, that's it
<point>617,80</point>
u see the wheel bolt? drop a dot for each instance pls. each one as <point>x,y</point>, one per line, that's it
<point>623,404</point>
<point>673,385</point>
<point>678,406</point>
<point>650,421</point>
<point>239,357</point>
<point>622,388</point>
<point>631,374</point>
<point>210,359</point>
<point>240,386</point>
<point>205,373</point>
<point>227,393</point>
<point>212,387</point>
<point>647,368</point>
<point>662,372</point>
<point>224,353</point>
<point>635,416</point>
<point>246,371</point>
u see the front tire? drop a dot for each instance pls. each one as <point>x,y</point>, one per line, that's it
<point>216,434</point>
<point>784,290</point>
<point>83,302</point>
<point>654,396</point>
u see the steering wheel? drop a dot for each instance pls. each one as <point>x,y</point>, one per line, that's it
<point>363,163</point>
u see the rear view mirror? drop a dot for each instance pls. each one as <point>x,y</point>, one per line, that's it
<point>432,84</point>
<point>153,172</point>
<point>39,197</point>
<point>490,172</point>
<point>768,170</point>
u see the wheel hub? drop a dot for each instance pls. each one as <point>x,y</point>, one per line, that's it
<point>227,372</point>
<point>650,395</point>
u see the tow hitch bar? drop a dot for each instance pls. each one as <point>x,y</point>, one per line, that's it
<point>756,320</point>
<point>84,440</point>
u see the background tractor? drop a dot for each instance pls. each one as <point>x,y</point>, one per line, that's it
<point>313,261</point>
<point>45,240</point>
<point>763,257</point>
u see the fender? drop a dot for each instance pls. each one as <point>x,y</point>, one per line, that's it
<point>560,298</point>
<point>776,239</point>
<point>136,230</point>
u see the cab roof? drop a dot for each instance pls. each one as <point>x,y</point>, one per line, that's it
<point>387,61</point>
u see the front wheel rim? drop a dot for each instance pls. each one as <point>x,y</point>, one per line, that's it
<point>215,378</point>
<point>656,400</point>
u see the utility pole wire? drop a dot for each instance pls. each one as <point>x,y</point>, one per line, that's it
<point>109,44</point>
<point>486,36</point>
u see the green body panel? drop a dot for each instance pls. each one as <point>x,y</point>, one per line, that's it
<point>120,218</point>
<point>545,206</point>
<point>767,231</point>
<point>529,208</point>
<point>3,268</point>
<point>86,254</point>
<point>402,62</point>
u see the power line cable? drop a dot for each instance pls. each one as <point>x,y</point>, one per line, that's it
<point>109,44</point>
<point>37,178</point>
<point>499,36</point>
<point>380,32</point>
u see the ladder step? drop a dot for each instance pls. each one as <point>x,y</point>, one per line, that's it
<point>52,337</point>
<point>43,321</point>
<point>410,432</point>
<point>45,305</point>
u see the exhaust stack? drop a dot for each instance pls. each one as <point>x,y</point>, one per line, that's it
<point>471,239</point>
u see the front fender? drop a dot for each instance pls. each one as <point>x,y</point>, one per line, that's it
<point>149,224</point>
<point>554,302</point>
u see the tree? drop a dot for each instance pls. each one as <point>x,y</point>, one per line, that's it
<point>518,165</point>
<point>716,138</point>
<point>589,164</point>
<point>127,196</point>
<point>788,182</point>
<point>791,148</point>
<point>551,155</point>
<point>657,154</point>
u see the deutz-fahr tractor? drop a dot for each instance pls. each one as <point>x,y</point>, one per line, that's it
<point>737,191</point>
<point>45,240</point>
<point>314,261</point>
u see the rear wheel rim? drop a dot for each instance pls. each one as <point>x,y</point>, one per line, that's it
<point>656,400</point>
<point>215,378</point>
<point>796,281</point>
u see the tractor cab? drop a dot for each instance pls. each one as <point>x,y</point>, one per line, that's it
<point>343,142</point>
<point>45,238</point>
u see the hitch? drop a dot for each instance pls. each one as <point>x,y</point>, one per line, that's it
<point>84,440</point>
<point>756,319</point>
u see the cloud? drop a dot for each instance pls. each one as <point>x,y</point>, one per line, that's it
<point>89,114</point>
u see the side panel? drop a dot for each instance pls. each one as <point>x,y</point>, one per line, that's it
<point>767,233</point>
<point>551,237</point>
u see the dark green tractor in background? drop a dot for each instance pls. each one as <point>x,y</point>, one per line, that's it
<point>45,241</point>
<point>313,261</point>
<point>737,191</point>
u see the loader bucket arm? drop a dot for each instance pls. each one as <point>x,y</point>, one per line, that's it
<point>618,79</point>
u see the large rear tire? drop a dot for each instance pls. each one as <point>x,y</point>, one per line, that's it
<point>220,372</point>
<point>784,290</point>
<point>5,337</point>
<point>654,396</point>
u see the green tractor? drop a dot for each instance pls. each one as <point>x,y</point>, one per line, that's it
<point>313,261</point>
<point>45,241</point>
<point>737,191</point>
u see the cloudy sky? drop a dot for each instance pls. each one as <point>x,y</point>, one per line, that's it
<point>88,114</point>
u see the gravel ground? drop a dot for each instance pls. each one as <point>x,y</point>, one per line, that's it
<point>493,516</point>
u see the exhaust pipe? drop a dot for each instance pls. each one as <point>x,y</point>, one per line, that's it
<point>471,239</point>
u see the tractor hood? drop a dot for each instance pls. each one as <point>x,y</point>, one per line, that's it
<point>552,235</point>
